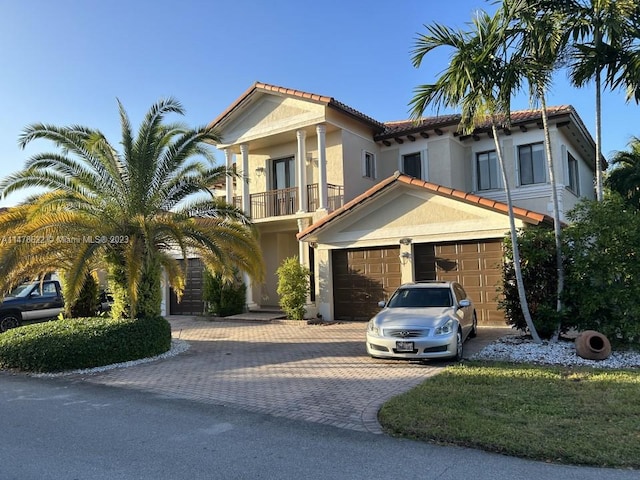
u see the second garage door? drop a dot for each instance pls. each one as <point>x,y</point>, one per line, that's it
<point>362,277</point>
<point>191,302</point>
<point>477,265</point>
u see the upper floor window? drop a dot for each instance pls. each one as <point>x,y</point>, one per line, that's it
<point>412,165</point>
<point>572,169</point>
<point>531,164</point>
<point>487,170</point>
<point>368,165</point>
<point>283,173</point>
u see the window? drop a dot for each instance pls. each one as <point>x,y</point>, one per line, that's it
<point>368,165</point>
<point>49,290</point>
<point>283,201</point>
<point>531,164</point>
<point>573,174</point>
<point>487,170</point>
<point>412,165</point>
<point>283,173</point>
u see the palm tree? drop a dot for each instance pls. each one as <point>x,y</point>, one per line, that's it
<point>132,212</point>
<point>541,41</point>
<point>624,177</point>
<point>480,80</point>
<point>628,73</point>
<point>603,32</point>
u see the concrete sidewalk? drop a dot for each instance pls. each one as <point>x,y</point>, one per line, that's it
<point>315,373</point>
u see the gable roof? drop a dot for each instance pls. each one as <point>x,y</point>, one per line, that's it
<point>260,88</point>
<point>525,215</point>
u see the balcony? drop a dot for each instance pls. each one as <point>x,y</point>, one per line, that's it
<point>277,203</point>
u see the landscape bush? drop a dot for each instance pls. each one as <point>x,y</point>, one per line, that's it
<point>69,344</point>
<point>293,288</point>
<point>540,277</point>
<point>602,288</point>
<point>601,249</point>
<point>86,304</point>
<point>223,297</point>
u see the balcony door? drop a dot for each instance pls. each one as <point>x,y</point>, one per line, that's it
<point>283,181</point>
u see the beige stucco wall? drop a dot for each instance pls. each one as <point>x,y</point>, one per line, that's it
<point>271,115</point>
<point>402,211</point>
<point>276,246</point>
<point>387,161</point>
<point>538,197</point>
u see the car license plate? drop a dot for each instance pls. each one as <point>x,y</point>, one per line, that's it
<point>404,346</point>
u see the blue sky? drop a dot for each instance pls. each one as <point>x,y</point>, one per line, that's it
<point>66,62</point>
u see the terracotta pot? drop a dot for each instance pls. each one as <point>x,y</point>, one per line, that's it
<point>592,345</point>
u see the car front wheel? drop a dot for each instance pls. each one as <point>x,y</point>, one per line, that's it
<point>459,347</point>
<point>474,327</point>
<point>10,320</point>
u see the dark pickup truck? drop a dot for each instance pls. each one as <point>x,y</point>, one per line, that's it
<point>31,301</point>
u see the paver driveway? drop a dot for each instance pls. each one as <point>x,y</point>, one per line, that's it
<point>317,373</point>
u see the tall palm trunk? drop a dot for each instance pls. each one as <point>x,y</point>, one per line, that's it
<point>514,240</point>
<point>598,41</point>
<point>598,139</point>
<point>557,231</point>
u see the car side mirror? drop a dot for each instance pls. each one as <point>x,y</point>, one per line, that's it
<point>382,304</point>
<point>464,303</point>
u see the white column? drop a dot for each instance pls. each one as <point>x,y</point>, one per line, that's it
<point>302,171</point>
<point>303,257</point>
<point>228,155</point>
<point>323,191</point>
<point>246,205</point>
<point>251,304</point>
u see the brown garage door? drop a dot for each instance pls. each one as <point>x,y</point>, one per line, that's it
<point>191,302</point>
<point>361,278</point>
<point>475,264</point>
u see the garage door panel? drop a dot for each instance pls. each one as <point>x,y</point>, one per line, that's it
<point>469,264</point>
<point>371,276</point>
<point>475,264</point>
<point>393,268</point>
<point>450,249</point>
<point>471,281</point>
<point>468,248</point>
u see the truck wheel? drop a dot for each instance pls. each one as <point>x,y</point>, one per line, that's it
<point>9,320</point>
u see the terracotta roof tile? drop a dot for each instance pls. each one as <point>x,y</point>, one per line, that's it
<point>528,216</point>
<point>328,101</point>
<point>404,127</point>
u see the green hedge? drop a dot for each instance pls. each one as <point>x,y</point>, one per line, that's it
<point>70,344</point>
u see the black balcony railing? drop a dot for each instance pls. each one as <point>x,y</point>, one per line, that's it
<point>276,203</point>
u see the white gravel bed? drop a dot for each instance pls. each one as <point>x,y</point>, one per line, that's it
<point>520,349</point>
<point>177,347</point>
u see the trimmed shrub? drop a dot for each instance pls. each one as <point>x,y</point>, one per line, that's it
<point>223,297</point>
<point>69,344</point>
<point>602,288</point>
<point>293,288</point>
<point>150,290</point>
<point>87,303</point>
<point>117,282</point>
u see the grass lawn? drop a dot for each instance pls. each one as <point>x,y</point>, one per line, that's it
<point>578,416</point>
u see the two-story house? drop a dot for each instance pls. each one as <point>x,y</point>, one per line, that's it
<point>368,205</point>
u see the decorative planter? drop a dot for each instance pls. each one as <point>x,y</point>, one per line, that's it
<point>592,345</point>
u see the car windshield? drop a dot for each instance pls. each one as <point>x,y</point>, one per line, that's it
<point>421,297</point>
<point>20,290</point>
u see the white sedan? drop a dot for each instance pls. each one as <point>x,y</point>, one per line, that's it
<point>423,320</point>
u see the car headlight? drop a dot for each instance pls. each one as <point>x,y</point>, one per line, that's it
<point>446,328</point>
<point>371,327</point>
